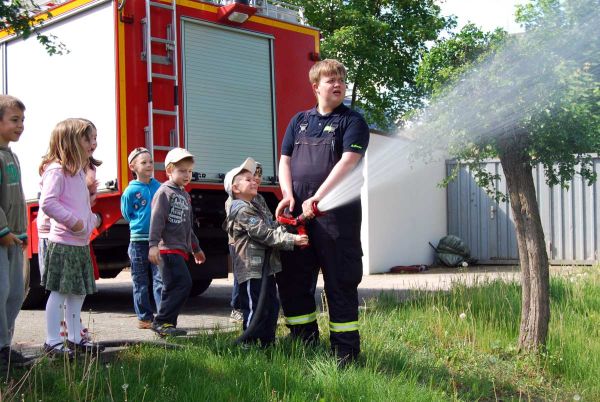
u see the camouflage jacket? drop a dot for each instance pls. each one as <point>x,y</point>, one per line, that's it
<point>253,233</point>
<point>258,202</point>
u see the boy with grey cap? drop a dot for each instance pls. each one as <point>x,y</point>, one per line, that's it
<point>253,234</point>
<point>172,239</point>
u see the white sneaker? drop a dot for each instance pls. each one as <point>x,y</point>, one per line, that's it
<point>236,316</point>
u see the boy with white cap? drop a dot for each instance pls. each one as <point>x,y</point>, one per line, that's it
<point>253,234</point>
<point>172,239</point>
<point>135,208</point>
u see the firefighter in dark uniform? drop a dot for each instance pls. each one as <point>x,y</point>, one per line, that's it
<point>320,147</point>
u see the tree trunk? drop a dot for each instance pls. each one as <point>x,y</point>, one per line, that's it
<point>354,93</point>
<point>533,258</point>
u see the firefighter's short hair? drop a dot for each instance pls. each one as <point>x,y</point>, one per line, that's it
<point>8,101</point>
<point>326,67</point>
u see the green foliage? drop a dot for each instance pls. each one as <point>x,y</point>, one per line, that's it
<point>537,92</point>
<point>19,17</point>
<point>449,58</point>
<point>380,42</point>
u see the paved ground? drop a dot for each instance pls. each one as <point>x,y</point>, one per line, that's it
<point>110,317</point>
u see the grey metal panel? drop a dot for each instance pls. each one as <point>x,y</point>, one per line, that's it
<point>570,217</point>
<point>228,98</point>
<point>452,203</point>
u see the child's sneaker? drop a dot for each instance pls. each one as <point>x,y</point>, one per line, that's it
<point>166,329</point>
<point>145,324</point>
<point>236,316</point>
<point>85,346</point>
<point>58,350</point>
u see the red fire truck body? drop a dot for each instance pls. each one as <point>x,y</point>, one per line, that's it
<point>221,80</point>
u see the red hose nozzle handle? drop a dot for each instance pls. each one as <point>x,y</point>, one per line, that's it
<point>315,211</point>
<point>298,223</point>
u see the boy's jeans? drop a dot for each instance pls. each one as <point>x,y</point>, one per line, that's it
<point>235,291</point>
<point>177,283</point>
<point>141,269</point>
<point>11,290</point>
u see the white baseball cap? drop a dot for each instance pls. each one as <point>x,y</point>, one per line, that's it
<point>249,165</point>
<point>177,154</point>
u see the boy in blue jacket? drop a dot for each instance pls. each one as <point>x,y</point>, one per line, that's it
<point>135,207</point>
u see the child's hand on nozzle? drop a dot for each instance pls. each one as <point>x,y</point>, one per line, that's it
<point>154,255</point>
<point>300,240</point>
<point>199,257</point>
<point>78,226</point>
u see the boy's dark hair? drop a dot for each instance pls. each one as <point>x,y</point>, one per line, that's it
<point>8,101</point>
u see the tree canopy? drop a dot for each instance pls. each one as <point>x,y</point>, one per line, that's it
<point>380,42</point>
<point>22,18</point>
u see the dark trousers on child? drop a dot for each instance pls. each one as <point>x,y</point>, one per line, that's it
<point>248,298</point>
<point>177,283</point>
<point>235,291</point>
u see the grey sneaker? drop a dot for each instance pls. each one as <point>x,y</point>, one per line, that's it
<point>236,316</point>
<point>165,329</point>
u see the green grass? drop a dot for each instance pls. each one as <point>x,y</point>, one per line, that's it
<point>457,345</point>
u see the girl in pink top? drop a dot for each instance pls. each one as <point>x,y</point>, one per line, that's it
<point>92,185</point>
<point>65,199</point>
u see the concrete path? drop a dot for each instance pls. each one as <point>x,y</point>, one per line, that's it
<point>110,317</point>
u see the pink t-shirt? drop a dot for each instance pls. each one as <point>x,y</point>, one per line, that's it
<point>65,199</point>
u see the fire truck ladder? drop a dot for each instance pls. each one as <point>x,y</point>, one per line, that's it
<point>170,59</point>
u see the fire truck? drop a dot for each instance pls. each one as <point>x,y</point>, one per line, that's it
<point>221,79</point>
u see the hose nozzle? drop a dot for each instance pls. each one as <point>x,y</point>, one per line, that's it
<point>315,211</point>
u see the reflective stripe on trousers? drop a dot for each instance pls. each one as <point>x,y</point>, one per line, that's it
<point>301,319</point>
<point>343,326</point>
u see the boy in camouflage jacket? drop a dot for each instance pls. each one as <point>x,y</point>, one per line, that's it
<point>253,232</point>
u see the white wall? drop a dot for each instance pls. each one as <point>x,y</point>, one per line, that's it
<point>401,216</point>
<point>78,84</point>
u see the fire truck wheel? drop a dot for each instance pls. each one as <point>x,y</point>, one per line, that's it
<point>199,286</point>
<point>35,294</point>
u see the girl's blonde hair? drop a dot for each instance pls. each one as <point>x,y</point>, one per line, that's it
<point>65,146</point>
<point>94,163</point>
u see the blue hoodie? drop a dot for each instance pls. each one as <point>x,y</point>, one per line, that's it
<point>136,206</point>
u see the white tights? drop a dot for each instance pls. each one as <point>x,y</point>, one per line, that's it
<point>61,305</point>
